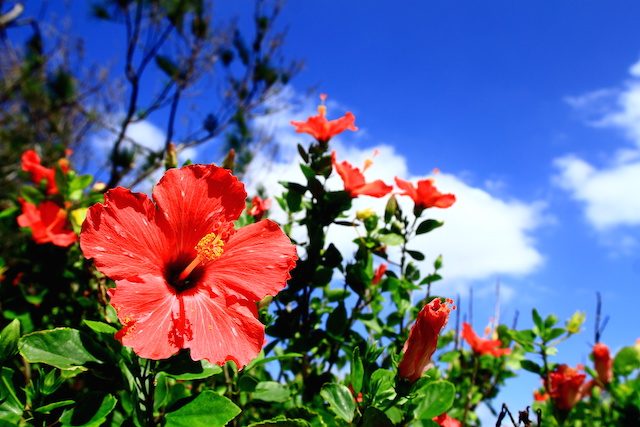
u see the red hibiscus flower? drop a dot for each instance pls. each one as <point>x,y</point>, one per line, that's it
<point>185,278</point>
<point>603,363</point>
<point>259,207</point>
<point>566,386</point>
<point>483,345</point>
<point>425,195</point>
<point>445,420</point>
<point>423,339</point>
<point>354,183</point>
<point>48,223</point>
<point>377,276</point>
<point>321,128</point>
<point>31,163</point>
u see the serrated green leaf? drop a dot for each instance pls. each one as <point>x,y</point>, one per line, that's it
<point>207,410</point>
<point>340,401</point>
<point>46,409</point>
<point>100,327</point>
<point>391,239</point>
<point>60,347</point>
<point>626,361</point>
<point>281,421</point>
<point>434,399</point>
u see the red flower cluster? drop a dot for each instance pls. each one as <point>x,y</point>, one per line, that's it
<point>444,420</point>
<point>483,345</point>
<point>185,278</point>
<point>48,223</point>
<point>566,386</point>
<point>603,363</point>
<point>259,207</point>
<point>321,128</point>
<point>423,339</point>
<point>31,163</point>
<point>425,194</point>
<point>354,182</point>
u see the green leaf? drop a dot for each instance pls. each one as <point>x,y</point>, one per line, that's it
<point>417,255</point>
<point>260,360</point>
<point>100,327</point>
<point>200,371</point>
<point>537,320</point>
<point>10,406</point>
<point>207,410</point>
<point>381,386</point>
<point>530,366</point>
<point>271,391</point>
<point>46,409</point>
<point>9,340</point>
<point>86,415</point>
<point>337,321</point>
<point>391,239</point>
<point>60,347</point>
<point>357,371</point>
<point>434,399</point>
<point>340,400</point>
<point>428,225</point>
<point>626,361</point>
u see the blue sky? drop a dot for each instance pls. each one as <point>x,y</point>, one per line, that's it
<point>531,109</point>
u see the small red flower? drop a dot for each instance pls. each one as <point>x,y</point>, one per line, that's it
<point>603,363</point>
<point>483,345</point>
<point>566,386</point>
<point>423,339</point>
<point>377,276</point>
<point>425,195</point>
<point>259,207</point>
<point>31,163</point>
<point>444,420</point>
<point>48,223</point>
<point>354,183</point>
<point>185,278</point>
<point>321,128</point>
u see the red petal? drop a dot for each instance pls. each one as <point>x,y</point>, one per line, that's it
<point>408,188</point>
<point>122,237</point>
<point>256,262</point>
<point>194,200</point>
<point>150,313</point>
<point>376,188</point>
<point>222,329</point>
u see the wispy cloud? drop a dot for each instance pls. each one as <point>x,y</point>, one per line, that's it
<point>608,193</point>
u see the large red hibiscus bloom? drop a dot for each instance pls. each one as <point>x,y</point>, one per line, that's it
<point>185,278</point>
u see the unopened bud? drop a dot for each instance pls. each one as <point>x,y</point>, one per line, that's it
<point>171,156</point>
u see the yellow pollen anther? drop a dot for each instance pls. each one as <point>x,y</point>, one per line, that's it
<point>322,108</point>
<point>209,248</point>
<point>367,164</point>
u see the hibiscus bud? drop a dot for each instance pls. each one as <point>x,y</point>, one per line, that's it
<point>575,322</point>
<point>603,363</point>
<point>365,213</point>
<point>423,339</point>
<point>171,157</point>
<point>229,161</point>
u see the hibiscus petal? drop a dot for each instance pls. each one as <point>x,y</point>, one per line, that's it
<point>222,329</point>
<point>150,313</point>
<point>376,188</point>
<point>256,262</point>
<point>122,237</point>
<point>195,199</point>
<point>407,187</point>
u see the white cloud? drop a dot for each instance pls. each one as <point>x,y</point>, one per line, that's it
<point>484,236</point>
<point>609,193</point>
